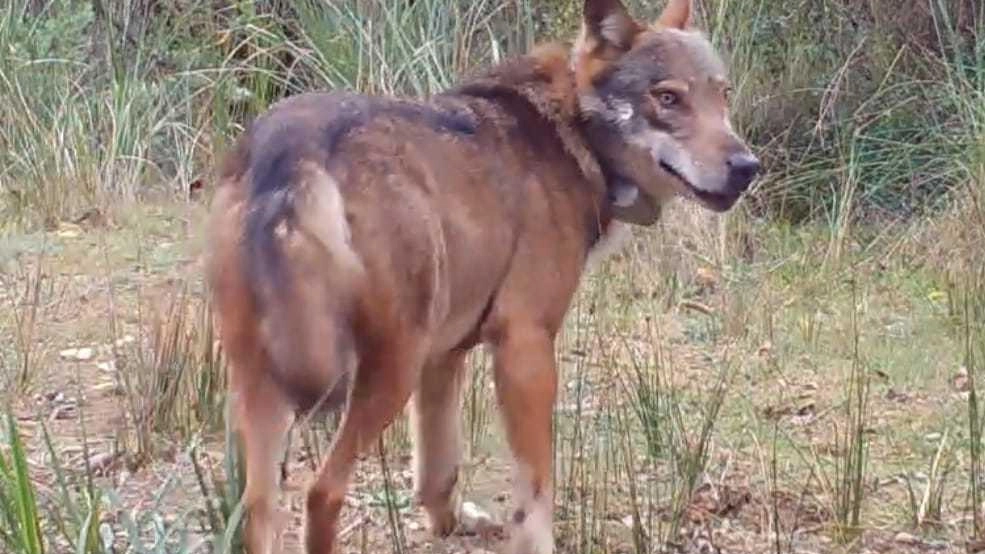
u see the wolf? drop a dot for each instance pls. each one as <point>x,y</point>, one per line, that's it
<point>361,246</point>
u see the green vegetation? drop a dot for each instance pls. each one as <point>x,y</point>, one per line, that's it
<point>802,374</point>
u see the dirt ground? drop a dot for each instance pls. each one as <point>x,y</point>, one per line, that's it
<point>101,285</point>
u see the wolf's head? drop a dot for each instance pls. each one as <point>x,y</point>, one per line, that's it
<point>655,104</point>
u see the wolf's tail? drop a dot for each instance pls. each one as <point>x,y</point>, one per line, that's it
<point>305,274</point>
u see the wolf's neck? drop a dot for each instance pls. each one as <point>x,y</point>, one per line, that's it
<point>544,78</point>
<point>546,82</point>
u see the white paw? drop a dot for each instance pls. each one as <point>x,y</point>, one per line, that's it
<point>473,520</point>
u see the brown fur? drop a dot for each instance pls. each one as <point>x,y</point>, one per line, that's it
<point>360,247</point>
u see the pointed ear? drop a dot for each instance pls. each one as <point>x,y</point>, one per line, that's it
<point>676,15</point>
<point>609,24</point>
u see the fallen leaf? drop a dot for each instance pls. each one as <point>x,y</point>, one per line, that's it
<point>896,396</point>
<point>961,382</point>
<point>68,230</point>
<point>110,386</point>
<point>705,278</point>
<point>765,349</point>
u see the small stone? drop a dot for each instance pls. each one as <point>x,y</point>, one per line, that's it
<point>906,538</point>
<point>101,461</point>
<point>77,354</point>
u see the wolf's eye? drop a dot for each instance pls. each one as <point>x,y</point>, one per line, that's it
<point>666,98</point>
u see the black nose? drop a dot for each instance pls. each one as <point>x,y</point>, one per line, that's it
<point>742,169</point>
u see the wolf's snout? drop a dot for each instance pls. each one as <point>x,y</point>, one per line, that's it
<point>742,169</point>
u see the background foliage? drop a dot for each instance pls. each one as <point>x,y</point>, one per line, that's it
<point>873,100</point>
<point>706,370</point>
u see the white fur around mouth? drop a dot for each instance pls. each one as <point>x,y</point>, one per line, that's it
<point>690,186</point>
<point>699,193</point>
<point>677,174</point>
<point>694,190</point>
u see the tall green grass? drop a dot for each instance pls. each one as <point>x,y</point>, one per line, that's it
<point>82,514</point>
<point>852,441</point>
<point>70,517</point>
<point>173,378</point>
<point>852,117</point>
<point>18,503</point>
<point>94,115</point>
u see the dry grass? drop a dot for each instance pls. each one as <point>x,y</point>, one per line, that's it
<point>733,423</point>
<point>731,382</point>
